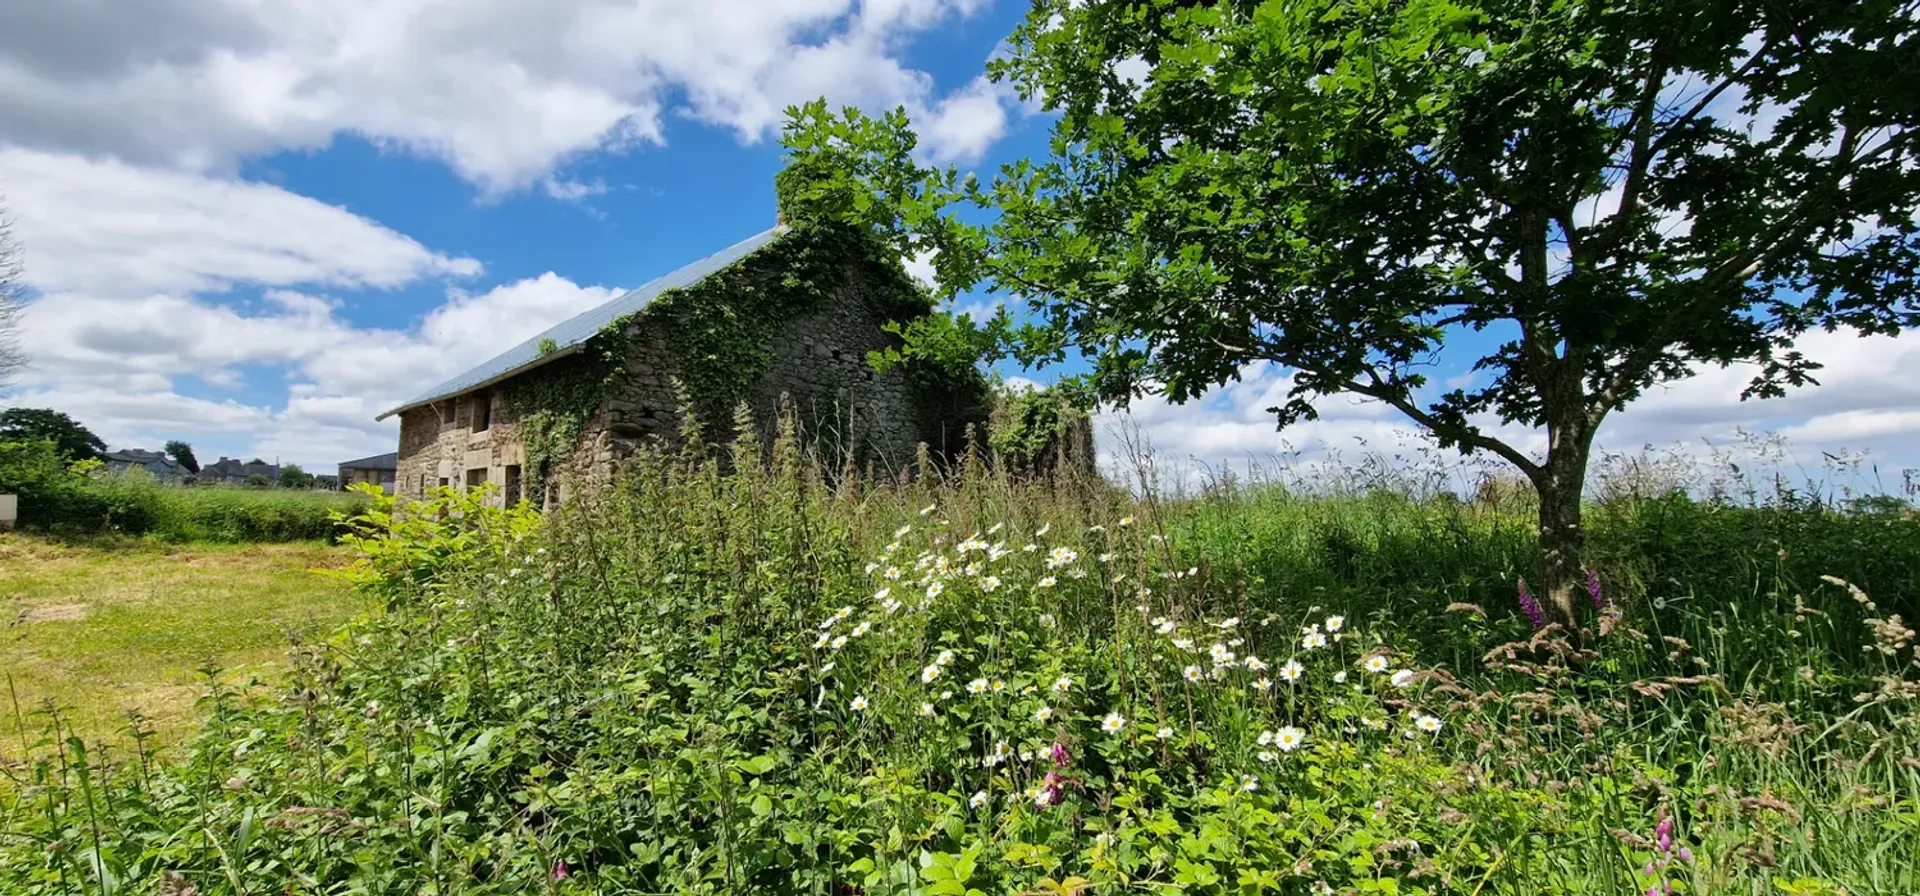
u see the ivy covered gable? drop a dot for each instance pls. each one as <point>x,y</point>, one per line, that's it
<point>789,315</point>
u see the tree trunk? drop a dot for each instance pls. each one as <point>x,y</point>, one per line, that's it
<point>1560,484</point>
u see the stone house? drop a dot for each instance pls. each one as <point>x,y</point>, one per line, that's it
<point>787,315</point>
<point>158,463</point>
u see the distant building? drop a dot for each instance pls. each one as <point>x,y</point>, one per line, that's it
<point>381,470</point>
<point>235,472</point>
<point>159,463</point>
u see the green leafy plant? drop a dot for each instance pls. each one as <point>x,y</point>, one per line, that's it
<point>1575,201</point>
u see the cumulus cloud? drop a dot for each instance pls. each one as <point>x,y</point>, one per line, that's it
<point>503,91</point>
<point>1865,403</point>
<point>107,228</point>
<point>114,362</point>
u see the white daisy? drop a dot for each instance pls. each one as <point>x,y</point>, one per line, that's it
<point>1228,623</point>
<point>1289,739</point>
<point>1313,641</point>
<point>989,584</point>
<point>1165,733</point>
<point>977,800</point>
<point>1292,670</point>
<point>1047,582</point>
<point>1429,724</point>
<point>945,657</point>
<point>931,672</point>
<point>1402,678</point>
<point>1061,556</point>
<point>1114,723</point>
<point>859,704</point>
<point>1266,756</point>
<point>892,574</point>
<point>926,709</point>
<point>839,642</point>
<point>1249,783</point>
<point>977,686</point>
<point>822,640</point>
<point>861,629</point>
<point>934,590</point>
<point>1043,714</point>
<point>1336,623</point>
<point>1046,620</point>
<point>1193,673</point>
<point>1264,684</point>
<point>1377,663</point>
<point>1340,677</point>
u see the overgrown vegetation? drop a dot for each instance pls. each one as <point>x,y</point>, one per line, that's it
<point>82,499</point>
<point>700,683</point>
<point>720,331</point>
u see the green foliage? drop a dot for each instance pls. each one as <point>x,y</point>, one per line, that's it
<point>1346,189</point>
<point>291,476</point>
<point>548,346</point>
<point>182,454</point>
<point>82,498</point>
<point>720,331</point>
<point>413,553</point>
<point>1032,429</point>
<point>72,440</point>
<point>700,683</point>
<point>552,405</point>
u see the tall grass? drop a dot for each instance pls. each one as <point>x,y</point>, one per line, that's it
<point>773,681</point>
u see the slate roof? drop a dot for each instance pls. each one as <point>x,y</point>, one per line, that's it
<point>569,335</point>
<point>387,461</point>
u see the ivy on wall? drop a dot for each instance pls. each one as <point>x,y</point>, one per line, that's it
<point>720,332</point>
<point>553,404</point>
<point>1033,431</point>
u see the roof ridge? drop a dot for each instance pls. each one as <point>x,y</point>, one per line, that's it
<point>576,330</point>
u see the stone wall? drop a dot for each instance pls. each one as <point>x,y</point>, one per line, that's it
<point>818,363</point>
<point>439,449</point>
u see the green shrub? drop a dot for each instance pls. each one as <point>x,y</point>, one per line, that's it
<point>84,499</point>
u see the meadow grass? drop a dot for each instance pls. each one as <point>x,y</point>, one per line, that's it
<point>781,681</point>
<point>102,626</point>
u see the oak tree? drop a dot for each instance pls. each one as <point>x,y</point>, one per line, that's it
<point>1574,199</point>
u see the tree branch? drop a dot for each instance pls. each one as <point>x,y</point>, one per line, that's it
<point>1462,433</point>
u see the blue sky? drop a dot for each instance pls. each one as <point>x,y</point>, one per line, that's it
<point>255,226</point>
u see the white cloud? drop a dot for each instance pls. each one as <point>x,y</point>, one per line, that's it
<point>107,228</point>
<point>503,91</point>
<point>964,124</point>
<point>112,363</point>
<point>1869,390</point>
<point>920,267</point>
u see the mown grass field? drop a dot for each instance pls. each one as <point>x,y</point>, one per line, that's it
<point>104,626</point>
